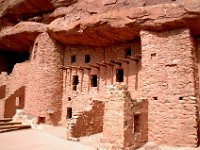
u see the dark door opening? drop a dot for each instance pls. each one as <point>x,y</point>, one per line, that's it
<point>119,75</point>
<point>75,82</point>
<point>94,81</point>
<point>69,112</point>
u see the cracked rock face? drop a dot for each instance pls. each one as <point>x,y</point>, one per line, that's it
<point>93,22</point>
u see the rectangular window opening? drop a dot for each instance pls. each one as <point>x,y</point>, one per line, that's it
<point>94,81</point>
<point>180,98</point>
<point>73,58</point>
<point>153,56</point>
<point>128,52</point>
<point>137,123</point>
<point>155,98</point>
<point>18,101</point>
<point>69,113</point>
<point>119,75</point>
<point>41,120</point>
<point>87,58</point>
<point>75,82</point>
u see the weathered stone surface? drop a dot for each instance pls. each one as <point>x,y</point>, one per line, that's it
<point>21,36</point>
<point>45,86</point>
<point>121,25</point>
<point>133,43</point>
<point>12,11</point>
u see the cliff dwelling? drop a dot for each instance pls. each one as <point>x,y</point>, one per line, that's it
<point>128,70</point>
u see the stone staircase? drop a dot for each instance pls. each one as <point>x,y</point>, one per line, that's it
<point>7,124</point>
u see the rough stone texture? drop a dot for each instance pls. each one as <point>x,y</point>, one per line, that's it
<point>169,82</point>
<point>15,87</point>
<point>13,11</point>
<point>13,35</point>
<point>120,25</point>
<point>89,121</point>
<point>44,90</point>
<point>166,71</point>
<point>118,129</point>
<point>2,104</point>
<point>10,102</point>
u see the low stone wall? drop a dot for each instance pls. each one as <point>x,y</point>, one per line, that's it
<point>88,122</point>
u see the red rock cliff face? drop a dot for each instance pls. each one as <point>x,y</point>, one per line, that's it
<point>170,83</point>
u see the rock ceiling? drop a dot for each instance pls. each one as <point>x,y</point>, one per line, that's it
<point>91,22</point>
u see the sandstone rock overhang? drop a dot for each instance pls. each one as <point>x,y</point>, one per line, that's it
<point>21,36</point>
<point>125,24</point>
<point>13,11</point>
<point>117,25</point>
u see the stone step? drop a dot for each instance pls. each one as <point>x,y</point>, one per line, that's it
<point>6,119</point>
<point>8,130</point>
<point>9,123</point>
<point>15,126</point>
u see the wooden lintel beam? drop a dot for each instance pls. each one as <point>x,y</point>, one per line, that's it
<point>107,63</point>
<point>83,67</point>
<point>94,66</point>
<point>101,64</point>
<point>63,67</point>
<point>123,60</point>
<point>76,67</point>
<point>116,62</point>
<point>135,58</point>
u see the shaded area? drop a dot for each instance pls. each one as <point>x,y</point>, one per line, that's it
<point>9,59</point>
<point>14,101</point>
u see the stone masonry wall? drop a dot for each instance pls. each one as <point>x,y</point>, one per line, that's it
<point>10,102</point>
<point>44,90</point>
<point>15,87</point>
<point>85,93</point>
<point>168,69</point>
<point>197,75</point>
<point>118,129</point>
<point>88,122</point>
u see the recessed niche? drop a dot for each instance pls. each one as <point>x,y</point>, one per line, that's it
<point>69,98</point>
<point>137,123</point>
<point>41,120</point>
<point>153,56</point>
<point>155,98</point>
<point>180,98</point>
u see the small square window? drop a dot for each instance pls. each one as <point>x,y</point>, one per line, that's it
<point>180,98</point>
<point>87,58</point>
<point>94,81</point>
<point>153,56</point>
<point>155,98</point>
<point>128,52</point>
<point>73,58</point>
<point>41,120</point>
